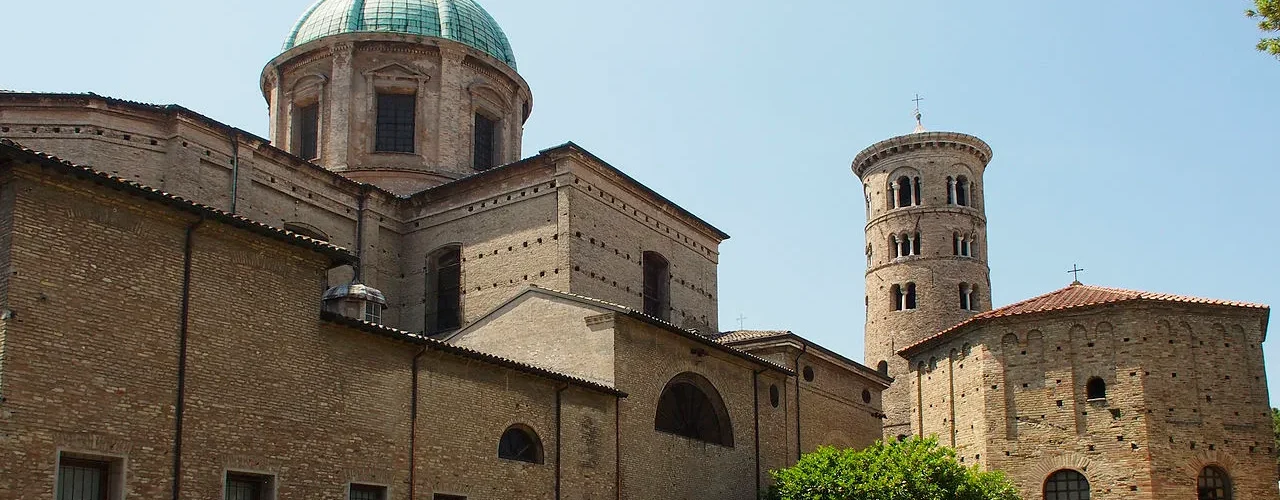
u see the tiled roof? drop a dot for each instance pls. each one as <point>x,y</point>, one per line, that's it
<point>1075,296</point>
<point>748,335</point>
<point>437,345</point>
<point>17,152</point>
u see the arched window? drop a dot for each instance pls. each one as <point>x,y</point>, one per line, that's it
<point>895,292</point>
<point>1096,388</point>
<point>915,244</point>
<point>904,191</point>
<point>916,192</point>
<point>974,298</point>
<point>909,301</point>
<point>883,367</point>
<point>520,443</point>
<point>691,407</point>
<point>1213,484</point>
<point>895,249</point>
<point>444,290</point>
<point>966,297</point>
<point>904,245</point>
<point>657,286</point>
<point>307,230</point>
<point>962,191</point>
<point>1066,484</point>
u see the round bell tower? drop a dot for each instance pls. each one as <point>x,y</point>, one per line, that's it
<point>926,248</point>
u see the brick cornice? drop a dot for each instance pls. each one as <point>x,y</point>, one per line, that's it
<point>913,142</point>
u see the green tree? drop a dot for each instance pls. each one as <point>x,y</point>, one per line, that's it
<point>914,469</point>
<point>1267,12</point>
<point>1275,427</point>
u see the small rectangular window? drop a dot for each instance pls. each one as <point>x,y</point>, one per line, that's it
<point>84,479</point>
<point>485,142</point>
<point>308,127</point>
<point>372,312</point>
<point>367,492</point>
<point>395,127</point>
<point>241,486</point>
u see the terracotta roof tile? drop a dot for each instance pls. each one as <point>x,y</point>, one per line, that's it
<point>747,335</point>
<point>1077,295</point>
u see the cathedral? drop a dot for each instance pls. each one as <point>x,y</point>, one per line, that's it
<point>382,299</point>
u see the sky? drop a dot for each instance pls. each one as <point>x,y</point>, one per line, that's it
<point>1136,139</point>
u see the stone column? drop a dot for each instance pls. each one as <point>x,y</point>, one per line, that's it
<point>337,141</point>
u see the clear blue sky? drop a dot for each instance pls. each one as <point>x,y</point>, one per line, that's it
<point>1138,139</point>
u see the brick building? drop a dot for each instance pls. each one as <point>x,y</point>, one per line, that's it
<point>1084,392</point>
<point>381,300</point>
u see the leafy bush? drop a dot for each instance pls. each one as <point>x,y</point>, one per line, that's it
<point>914,469</point>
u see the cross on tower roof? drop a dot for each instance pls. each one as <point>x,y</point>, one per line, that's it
<point>919,125</point>
<point>741,318</point>
<point>1076,270</point>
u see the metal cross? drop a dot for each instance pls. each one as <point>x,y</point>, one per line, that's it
<point>1075,270</point>
<point>741,318</point>
<point>917,101</point>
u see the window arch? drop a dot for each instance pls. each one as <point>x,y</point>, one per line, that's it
<point>444,290</point>
<point>304,229</point>
<point>883,367</point>
<point>904,192</point>
<point>521,444</point>
<point>657,285</point>
<point>962,191</point>
<point>691,407</point>
<point>961,245</point>
<point>1066,484</point>
<point>1213,484</point>
<point>1096,388</point>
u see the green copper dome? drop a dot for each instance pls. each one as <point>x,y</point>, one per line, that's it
<point>462,21</point>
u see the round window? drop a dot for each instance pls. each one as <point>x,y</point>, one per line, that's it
<point>773,395</point>
<point>866,396</point>
<point>808,374</point>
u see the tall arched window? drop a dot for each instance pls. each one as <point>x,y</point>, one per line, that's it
<point>915,198</point>
<point>966,297</point>
<point>657,285</point>
<point>895,292</point>
<point>904,245</point>
<point>904,192</point>
<point>1066,484</point>
<point>962,191</point>
<point>909,300</point>
<point>1213,484</point>
<point>691,407</point>
<point>1096,388</point>
<point>444,290</point>
<point>520,443</point>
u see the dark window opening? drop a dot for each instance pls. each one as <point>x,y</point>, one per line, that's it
<point>657,286</point>
<point>367,492</point>
<point>1096,389</point>
<point>443,496</point>
<point>808,374</point>
<point>444,285</point>
<point>80,479</point>
<point>1066,484</point>
<point>915,244</point>
<point>904,192</point>
<point>773,396</point>
<point>309,131</point>
<point>686,409</point>
<point>896,292</point>
<point>962,191</point>
<point>520,444</point>
<point>395,125</point>
<point>1213,484</point>
<point>909,301</point>
<point>866,396</point>
<point>883,367</point>
<point>916,191</point>
<point>485,141</point>
<point>245,487</point>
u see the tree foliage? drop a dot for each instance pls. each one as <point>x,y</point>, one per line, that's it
<point>914,469</point>
<point>1275,427</point>
<point>1267,12</point>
